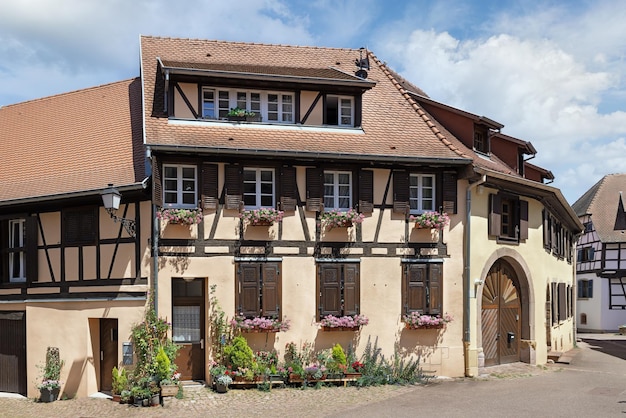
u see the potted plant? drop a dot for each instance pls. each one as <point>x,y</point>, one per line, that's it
<point>222,382</point>
<point>343,323</point>
<point>239,115</point>
<point>341,219</point>
<point>416,320</point>
<point>259,324</point>
<point>125,396</point>
<point>430,220</point>
<point>138,393</point>
<point>50,383</point>
<point>180,216</point>
<point>262,216</point>
<point>119,383</point>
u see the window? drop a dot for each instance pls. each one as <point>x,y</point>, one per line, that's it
<point>585,289</point>
<point>337,190</point>
<point>208,103</point>
<point>270,106</point>
<point>338,289</point>
<point>179,186</point>
<point>481,139</point>
<point>588,226</point>
<point>585,254</point>
<point>258,188</point>
<point>508,218</point>
<point>17,232</point>
<point>258,289</point>
<point>422,288</point>
<point>80,226</point>
<point>421,193</point>
<point>339,110</point>
<point>280,108</point>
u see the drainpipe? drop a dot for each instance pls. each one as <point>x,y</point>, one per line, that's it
<point>466,272</point>
<point>155,258</point>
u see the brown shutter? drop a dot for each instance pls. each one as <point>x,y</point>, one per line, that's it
<point>450,192</point>
<point>209,186</point>
<point>288,189</point>
<point>366,191</point>
<point>314,189</point>
<point>546,230</point>
<point>554,305</point>
<point>157,182</point>
<point>270,295</point>
<point>495,213</point>
<point>233,185</point>
<point>249,289</point>
<point>415,284</point>
<point>330,290</point>
<point>31,253</point>
<point>4,255</point>
<point>350,289</point>
<point>562,302</point>
<point>523,220</point>
<point>434,289</point>
<point>400,192</point>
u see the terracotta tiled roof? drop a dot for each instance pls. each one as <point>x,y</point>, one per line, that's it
<point>391,124</point>
<point>602,202</point>
<point>72,142</point>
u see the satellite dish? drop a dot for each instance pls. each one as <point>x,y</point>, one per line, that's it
<point>361,73</point>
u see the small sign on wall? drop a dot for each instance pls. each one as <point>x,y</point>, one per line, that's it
<point>127,353</point>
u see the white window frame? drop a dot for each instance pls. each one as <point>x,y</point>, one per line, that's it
<point>416,203</point>
<point>212,101</point>
<point>336,196</point>
<point>179,186</point>
<point>256,101</point>
<point>17,253</point>
<point>345,110</point>
<point>258,182</point>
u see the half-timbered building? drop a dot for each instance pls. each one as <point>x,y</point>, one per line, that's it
<point>601,256</point>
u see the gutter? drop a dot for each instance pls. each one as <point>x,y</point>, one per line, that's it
<point>466,272</point>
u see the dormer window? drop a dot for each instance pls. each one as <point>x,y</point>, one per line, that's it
<point>339,110</point>
<point>267,106</point>
<point>481,139</point>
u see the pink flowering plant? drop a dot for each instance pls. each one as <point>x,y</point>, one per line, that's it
<point>418,320</point>
<point>347,321</point>
<point>432,220</point>
<point>180,216</point>
<point>262,216</point>
<point>260,323</point>
<point>337,218</point>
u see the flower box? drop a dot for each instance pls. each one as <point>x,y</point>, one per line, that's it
<point>180,216</point>
<point>353,375</point>
<point>416,320</point>
<point>169,390</point>
<point>328,328</point>
<point>409,326</point>
<point>430,220</point>
<point>258,330</point>
<point>261,216</point>
<point>341,219</point>
<point>343,323</point>
<point>259,324</point>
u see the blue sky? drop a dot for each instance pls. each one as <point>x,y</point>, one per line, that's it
<point>553,72</point>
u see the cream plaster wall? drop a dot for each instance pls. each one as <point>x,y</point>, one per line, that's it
<point>181,110</point>
<point>306,100</point>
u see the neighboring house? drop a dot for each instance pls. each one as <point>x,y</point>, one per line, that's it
<point>601,256</point>
<point>333,130</point>
<point>69,276</point>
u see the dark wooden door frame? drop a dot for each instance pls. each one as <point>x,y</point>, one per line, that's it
<point>191,355</point>
<point>13,352</point>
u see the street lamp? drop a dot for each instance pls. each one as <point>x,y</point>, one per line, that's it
<point>111,198</point>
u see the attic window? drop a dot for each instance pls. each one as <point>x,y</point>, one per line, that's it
<point>481,139</point>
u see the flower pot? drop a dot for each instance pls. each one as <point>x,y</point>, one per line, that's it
<point>48,395</point>
<point>295,378</point>
<point>353,375</point>
<point>137,401</point>
<point>145,402</point>
<point>116,398</point>
<point>221,388</point>
<point>155,400</point>
<point>169,390</point>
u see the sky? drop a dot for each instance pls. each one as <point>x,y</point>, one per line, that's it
<point>553,72</point>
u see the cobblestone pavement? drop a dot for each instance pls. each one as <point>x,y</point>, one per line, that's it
<point>280,402</point>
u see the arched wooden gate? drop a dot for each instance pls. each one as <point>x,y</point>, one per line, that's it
<point>501,315</point>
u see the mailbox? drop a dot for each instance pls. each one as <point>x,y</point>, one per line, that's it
<point>510,338</point>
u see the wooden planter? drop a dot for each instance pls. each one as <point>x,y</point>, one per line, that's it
<point>408,326</point>
<point>257,330</point>
<point>326,328</point>
<point>169,390</point>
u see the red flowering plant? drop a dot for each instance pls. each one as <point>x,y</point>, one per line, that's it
<point>357,366</point>
<point>432,220</point>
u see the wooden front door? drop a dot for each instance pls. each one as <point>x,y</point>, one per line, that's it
<point>501,315</point>
<point>13,352</point>
<point>188,323</point>
<point>108,352</point>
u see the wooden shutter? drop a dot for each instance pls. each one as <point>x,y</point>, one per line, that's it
<point>450,192</point>
<point>31,254</point>
<point>157,182</point>
<point>350,289</point>
<point>523,220</point>
<point>233,186</point>
<point>80,226</point>
<point>562,302</point>
<point>590,289</point>
<point>434,289</point>
<point>4,255</point>
<point>546,230</point>
<point>314,189</point>
<point>209,186</point>
<point>366,191</point>
<point>401,192</point>
<point>415,288</point>
<point>330,290</point>
<point>270,293</point>
<point>248,303</point>
<point>554,305</point>
<point>495,213</point>
<point>288,189</point>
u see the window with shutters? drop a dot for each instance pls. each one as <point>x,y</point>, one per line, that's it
<point>585,254</point>
<point>18,250</point>
<point>258,188</point>
<point>508,218</point>
<point>585,289</point>
<point>258,290</point>
<point>415,193</point>
<point>339,190</point>
<point>338,289</point>
<point>422,288</point>
<point>421,193</point>
<point>179,186</point>
<point>80,226</point>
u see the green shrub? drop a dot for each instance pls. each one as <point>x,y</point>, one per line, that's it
<point>239,354</point>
